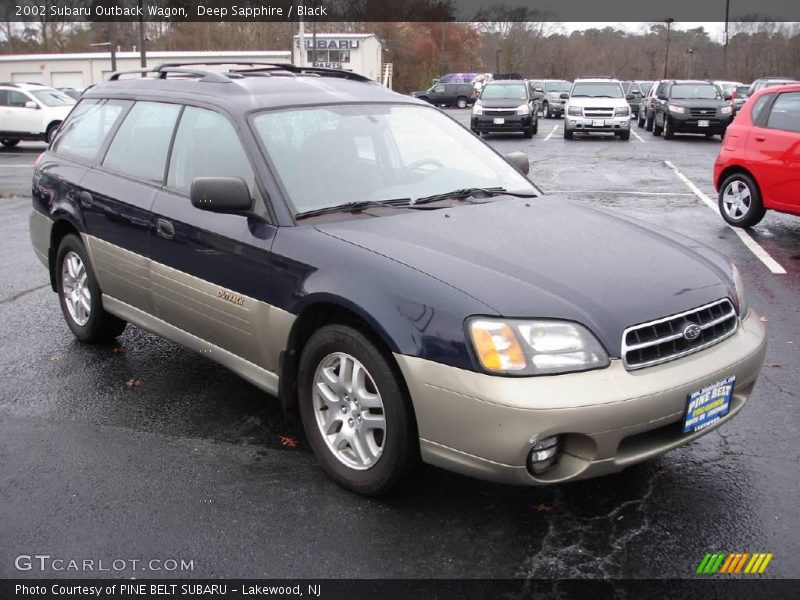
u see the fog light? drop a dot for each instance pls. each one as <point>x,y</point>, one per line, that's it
<point>543,455</point>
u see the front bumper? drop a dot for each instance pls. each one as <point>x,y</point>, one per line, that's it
<point>556,107</point>
<point>609,419</point>
<point>692,125</point>
<point>510,122</point>
<point>599,124</point>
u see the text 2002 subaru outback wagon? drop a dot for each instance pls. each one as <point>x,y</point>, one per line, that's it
<point>366,259</point>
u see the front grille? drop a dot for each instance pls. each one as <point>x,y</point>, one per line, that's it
<point>703,112</point>
<point>593,111</point>
<point>499,112</point>
<point>663,339</point>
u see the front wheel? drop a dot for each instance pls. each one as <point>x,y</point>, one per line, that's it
<point>669,129</point>
<point>740,202</point>
<point>9,142</point>
<point>625,135</point>
<point>546,111</point>
<point>568,134</point>
<point>355,412</point>
<point>80,296</point>
<point>657,129</point>
<point>640,121</point>
<point>648,123</point>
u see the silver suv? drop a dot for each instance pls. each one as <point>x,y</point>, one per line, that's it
<point>597,105</point>
<point>547,94</point>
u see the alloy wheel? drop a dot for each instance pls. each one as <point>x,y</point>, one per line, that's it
<point>736,199</point>
<point>75,288</point>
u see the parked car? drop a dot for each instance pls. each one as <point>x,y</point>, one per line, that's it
<point>691,106</point>
<point>547,94</point>
<point>448,94</point>
<point>30,112</point>
<point>597,105</point>
<point>757,167</point>
<point>647,107</point>
<point>765,82</point>
<point>739,97</point>
<point>636,89</point>
<point>727,87</point>
<point>505,106</point>
<point>413,299</point>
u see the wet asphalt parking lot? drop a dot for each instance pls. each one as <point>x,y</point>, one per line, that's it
<point>144,450</point>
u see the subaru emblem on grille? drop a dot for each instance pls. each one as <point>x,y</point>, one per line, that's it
<point>691,331</point>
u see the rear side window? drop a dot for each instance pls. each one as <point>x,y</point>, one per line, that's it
<point>13,98</point>
<point>141,144</point>
<point>206,145</point>
<point>87,127</point>
<point>760,109</point>
<point>785,112</point>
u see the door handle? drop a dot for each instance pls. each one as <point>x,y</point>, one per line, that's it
<point>758,138</point>
<point>86,199</point>
<point>165,229</point>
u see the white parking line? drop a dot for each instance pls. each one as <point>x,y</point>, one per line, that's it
<point>637,136</point>
<point>746,238</point>
<point>549,135</point>
<point>622,192</point>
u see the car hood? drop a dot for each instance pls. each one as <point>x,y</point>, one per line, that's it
<point>551,259</point>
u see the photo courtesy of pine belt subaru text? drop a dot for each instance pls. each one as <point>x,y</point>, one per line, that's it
<point>377,267</point>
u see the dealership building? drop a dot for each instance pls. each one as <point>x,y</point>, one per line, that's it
<point>81,70</point>
<point>356,52</point>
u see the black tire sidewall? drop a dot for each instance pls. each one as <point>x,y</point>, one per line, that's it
<point>401,443</point>
<point>93,327</point>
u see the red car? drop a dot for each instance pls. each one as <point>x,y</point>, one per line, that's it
<point>758,166</point>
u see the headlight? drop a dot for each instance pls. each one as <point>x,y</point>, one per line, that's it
<point>622,111</point>
<point>741,302</point>
<point>534,347</point>
<point>726,110</point>
<point>676,109</point>
<point>523,109</point>
<point>575,111</point>
<point>477,108</point>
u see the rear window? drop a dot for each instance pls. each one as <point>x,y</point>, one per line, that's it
<point>87,127</point>
<point>141,144</point>
<point>785,113</point>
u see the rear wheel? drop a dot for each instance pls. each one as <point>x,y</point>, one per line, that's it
<point>9,142</point>
<point>461,102</point>
<point>740,201</point>
<point>355,412</point>
<point>80,296</point>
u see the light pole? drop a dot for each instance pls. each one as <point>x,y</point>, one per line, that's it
<point>113,46</point>
<point>497,61</point>
<point>690,52</point>
<point>142,40</point>
<point>725,46</point>
<point>670,21</point>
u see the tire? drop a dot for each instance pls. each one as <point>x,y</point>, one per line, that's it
<point>92,325</point>
<point>656,128</point>
<point>625,135</point>
<point>732,208</point>
<point>387,455</point>
<point>461,102</point>
<point>51,131</point>
<point>648,123</point>
<point>546,111</point>
<point>669,129</point>
<point>527,133</point>
<point>640,121</point>
<point>568,134</point>
<point>9,142</point>
<point>535,128</point>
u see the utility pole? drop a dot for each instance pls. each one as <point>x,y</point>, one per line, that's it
<point>497,61</point>
<point>314,42</point>
<point>690,52</point>
<point>301,54</point>
<point>725,46</point>
<point>113,46</point>
<point>670,21</point>
<point>142,39</point>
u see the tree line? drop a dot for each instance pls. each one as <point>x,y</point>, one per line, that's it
<point>422,52</point>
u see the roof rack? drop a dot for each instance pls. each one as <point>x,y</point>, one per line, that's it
<point>252,68</point>
<point>596,77</point>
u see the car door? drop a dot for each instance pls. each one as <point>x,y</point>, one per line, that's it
<point>438,94</point>
<point>774,148</point>
<point>16,117</point>
<point>209,272</point>
<point>117,197</point>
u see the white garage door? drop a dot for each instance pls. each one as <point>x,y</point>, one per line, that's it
<point>27,77</point>
<point>67,79</point>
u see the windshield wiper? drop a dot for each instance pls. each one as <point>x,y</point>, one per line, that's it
<point>475,192</point>
<point>355,207</point>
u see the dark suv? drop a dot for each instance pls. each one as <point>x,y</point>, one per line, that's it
<point>689,106</point>
<point>366,259</point>
<point>505,106</point>
<point>448,94</point>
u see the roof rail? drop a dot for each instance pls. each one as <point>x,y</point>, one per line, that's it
<point>253,68</point>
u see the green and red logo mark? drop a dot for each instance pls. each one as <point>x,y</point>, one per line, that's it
<point>734,563</point>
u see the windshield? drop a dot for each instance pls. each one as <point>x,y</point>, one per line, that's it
<point>331,155</point>
<point>513,91</point>
<point>705,91</point>
<point>52,97</point>
<point>557,86</point>
<point>741,91</point>
<point>598,90</point>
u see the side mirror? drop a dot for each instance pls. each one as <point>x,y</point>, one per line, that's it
<point>564,96</point>
<point>520,161</point>
<point>727,97</point>
<point>31,104</point>
<point>630,97</point>
<point>220,194</point>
